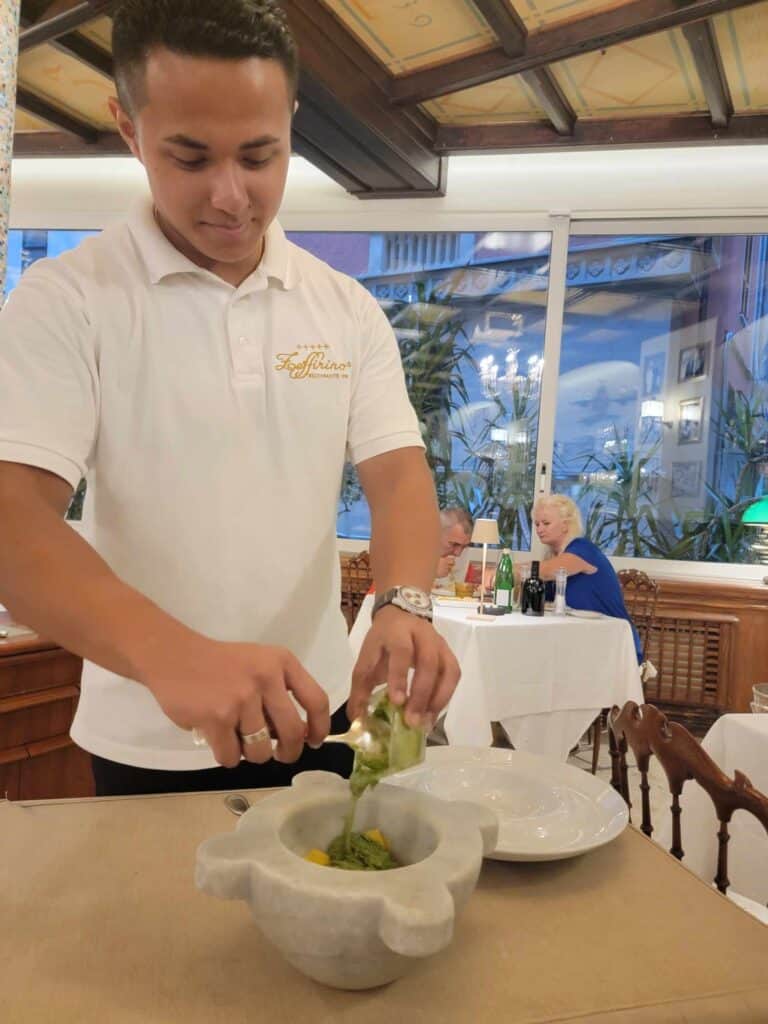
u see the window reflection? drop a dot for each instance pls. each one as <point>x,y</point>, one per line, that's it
<point>661,413</point>
<point>468,310</point>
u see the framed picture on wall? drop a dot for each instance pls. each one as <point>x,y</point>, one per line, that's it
<point>690,425</point>
<point>653,374</point>
<point>693,362</point>
<point>686,479</point>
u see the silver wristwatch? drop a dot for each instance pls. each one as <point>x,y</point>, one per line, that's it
<point>409,599</point>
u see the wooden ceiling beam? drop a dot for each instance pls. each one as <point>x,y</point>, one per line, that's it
<point>630,132</point>
<point>510,30</point>
<point>344,88</point>
<point>48,29</point>
<point>506,23</point>
<point>709,65</point>
<point>74,45</point>
<point>561,41</point>
<point>551,99</point>
<point>44,144</point>
<point>41,108</point>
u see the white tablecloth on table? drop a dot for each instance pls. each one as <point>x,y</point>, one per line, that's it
<point>545,679</point>
<point>734,741</point>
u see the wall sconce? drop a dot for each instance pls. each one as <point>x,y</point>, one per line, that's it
<point>653,409</point>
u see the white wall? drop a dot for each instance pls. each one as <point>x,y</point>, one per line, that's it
<point>691,182</point>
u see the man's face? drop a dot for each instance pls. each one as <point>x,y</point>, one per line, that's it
<point>215,139</point>
<point>454,540</point>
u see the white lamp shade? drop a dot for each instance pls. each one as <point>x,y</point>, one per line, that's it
<point>486,531</point>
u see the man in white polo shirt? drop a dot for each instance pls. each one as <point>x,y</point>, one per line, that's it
<point>207,377</point>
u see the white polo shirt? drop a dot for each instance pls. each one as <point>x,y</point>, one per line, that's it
<point>211,423</point>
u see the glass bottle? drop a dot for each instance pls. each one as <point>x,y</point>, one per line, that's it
<point>532,597</point>
<point>505,581</point>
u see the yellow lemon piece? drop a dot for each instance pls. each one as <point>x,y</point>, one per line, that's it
<point>318,857</point>
<point>375,836</point>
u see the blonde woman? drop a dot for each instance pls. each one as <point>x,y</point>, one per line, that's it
<point>592,583</point>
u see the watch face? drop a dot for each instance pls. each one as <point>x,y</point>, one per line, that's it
<point>417,598</point>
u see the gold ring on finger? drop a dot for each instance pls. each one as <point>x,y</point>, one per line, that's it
<point>260,736</point>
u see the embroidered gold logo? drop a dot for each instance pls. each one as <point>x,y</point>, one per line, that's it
<point>311,361</point>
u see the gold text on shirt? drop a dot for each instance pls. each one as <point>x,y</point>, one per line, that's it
<point>313,363</point>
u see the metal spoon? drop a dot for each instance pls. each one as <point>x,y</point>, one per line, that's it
<point>358,736</point>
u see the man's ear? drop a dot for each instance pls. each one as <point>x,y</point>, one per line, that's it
<point>125,126</point>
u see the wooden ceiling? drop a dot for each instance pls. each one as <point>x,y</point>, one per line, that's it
<point>391,87</point>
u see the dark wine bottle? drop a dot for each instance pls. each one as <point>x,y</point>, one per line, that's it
<point>532,597</point>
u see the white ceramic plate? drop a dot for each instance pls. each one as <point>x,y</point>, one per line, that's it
<point>546,810</point>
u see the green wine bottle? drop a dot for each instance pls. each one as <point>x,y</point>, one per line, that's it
<point>505,581</point>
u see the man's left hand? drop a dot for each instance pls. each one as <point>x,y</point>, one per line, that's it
<point>397,642</point>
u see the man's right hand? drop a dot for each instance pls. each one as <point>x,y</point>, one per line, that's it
<point>226,690</point>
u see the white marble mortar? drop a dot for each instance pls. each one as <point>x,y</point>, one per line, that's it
<point>350,929</point>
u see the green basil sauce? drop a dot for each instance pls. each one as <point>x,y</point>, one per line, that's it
<point>399,747</point>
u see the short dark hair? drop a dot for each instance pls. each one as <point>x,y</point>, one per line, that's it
<point>226,29</point>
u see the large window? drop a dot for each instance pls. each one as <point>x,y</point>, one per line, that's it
<point>655,419</point>
<point>469,311</point>
<point>661,404</point>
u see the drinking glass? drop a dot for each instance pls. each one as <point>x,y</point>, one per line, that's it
<point>760,695</point>
<point>561,580</point>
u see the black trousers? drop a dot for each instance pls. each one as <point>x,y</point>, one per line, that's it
<point>113,779</point>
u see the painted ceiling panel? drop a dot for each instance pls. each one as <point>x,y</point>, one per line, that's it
<point>25,122</point>
<point>538,14</point>
<point>652,76</point>
<point>99,32</point>
<point>507,101</point>
<point>743,40</point>
<point>68,84</point>
<point>408,34</point>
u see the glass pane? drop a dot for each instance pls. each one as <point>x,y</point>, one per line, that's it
<point>27,246</point>
<point>468,310</point>
<point>661,417</point>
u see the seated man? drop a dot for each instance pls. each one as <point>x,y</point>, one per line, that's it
<point>456,533</point>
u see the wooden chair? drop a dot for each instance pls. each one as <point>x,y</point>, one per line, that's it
<point>356,580</point>
<point>647,731</point>
<point>641,594</point>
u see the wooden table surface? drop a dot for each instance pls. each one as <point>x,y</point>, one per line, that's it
<point>101,922</point>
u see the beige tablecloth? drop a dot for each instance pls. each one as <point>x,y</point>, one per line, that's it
<point>101,924</point>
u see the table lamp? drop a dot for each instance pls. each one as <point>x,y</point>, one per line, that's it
<point>485,532</point>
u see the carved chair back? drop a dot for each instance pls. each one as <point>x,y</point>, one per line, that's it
<point>356,580</point>
<point>641,594</point>
<point>646,731</point>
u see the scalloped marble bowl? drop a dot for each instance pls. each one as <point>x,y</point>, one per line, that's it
<point>350,929</point>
